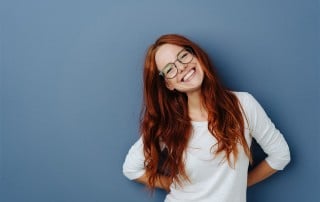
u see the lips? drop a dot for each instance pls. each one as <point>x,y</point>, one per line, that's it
<point>188,75</point>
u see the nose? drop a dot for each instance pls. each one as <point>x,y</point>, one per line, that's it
<point>180,66</point>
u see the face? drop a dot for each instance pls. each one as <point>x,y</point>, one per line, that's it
<point>189,76</point>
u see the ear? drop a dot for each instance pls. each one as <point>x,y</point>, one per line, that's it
<point>169,86</point>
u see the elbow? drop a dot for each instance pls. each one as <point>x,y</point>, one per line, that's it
<point>279,161</point>
<point>287,158</point>
<point>126,172</point>
<point>132,174</point>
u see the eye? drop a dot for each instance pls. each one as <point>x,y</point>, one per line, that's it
<point>168,70</point>
<point>184,55</point>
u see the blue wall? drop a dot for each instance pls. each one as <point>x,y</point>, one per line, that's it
<point>71,89</point>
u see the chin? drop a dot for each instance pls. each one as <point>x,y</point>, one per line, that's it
<point>190,89</point>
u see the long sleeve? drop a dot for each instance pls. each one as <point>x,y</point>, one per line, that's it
<point>133,166</point>
<point>267,135</point>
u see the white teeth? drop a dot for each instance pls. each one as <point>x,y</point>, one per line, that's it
<point>186,77</point>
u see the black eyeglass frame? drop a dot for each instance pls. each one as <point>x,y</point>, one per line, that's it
<point>188,49</point>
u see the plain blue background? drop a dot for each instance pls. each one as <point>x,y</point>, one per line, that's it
<point>71,89</point>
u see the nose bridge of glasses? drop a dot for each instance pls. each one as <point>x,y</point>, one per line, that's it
<point>179,65</point>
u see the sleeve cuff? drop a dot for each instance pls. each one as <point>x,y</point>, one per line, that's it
<point>133,175</point>
<point>277,163</point>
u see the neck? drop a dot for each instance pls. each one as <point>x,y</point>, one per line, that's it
<point>197,111</point>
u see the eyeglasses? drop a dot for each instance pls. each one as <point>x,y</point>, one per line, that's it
<point>170,71</point>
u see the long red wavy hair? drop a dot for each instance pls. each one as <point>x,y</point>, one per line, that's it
<point>166,125</point>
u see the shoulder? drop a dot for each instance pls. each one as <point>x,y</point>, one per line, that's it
<point>243,97</point>
<point>248,103</point>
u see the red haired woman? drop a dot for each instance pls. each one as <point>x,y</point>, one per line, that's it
<point>195,134</point>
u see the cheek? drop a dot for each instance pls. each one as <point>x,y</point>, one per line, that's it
<point>171,84</point>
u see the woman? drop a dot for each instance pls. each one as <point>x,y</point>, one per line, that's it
<point>195,134</point>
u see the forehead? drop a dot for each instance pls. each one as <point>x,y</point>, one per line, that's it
<point>165,54</point>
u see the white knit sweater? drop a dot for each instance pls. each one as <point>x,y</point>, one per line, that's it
<point>212,179</point>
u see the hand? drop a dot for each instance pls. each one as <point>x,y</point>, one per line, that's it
<point>165,183</point>
<point>162,182</point>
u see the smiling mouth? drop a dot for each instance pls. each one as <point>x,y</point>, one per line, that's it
<point>188,75</point>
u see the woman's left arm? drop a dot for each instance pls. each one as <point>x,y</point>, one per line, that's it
<point>269,138</point>
<point>259,173</point>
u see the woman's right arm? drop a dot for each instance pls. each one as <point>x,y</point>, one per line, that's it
<point>162,182</point>
<point>133,167</point>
